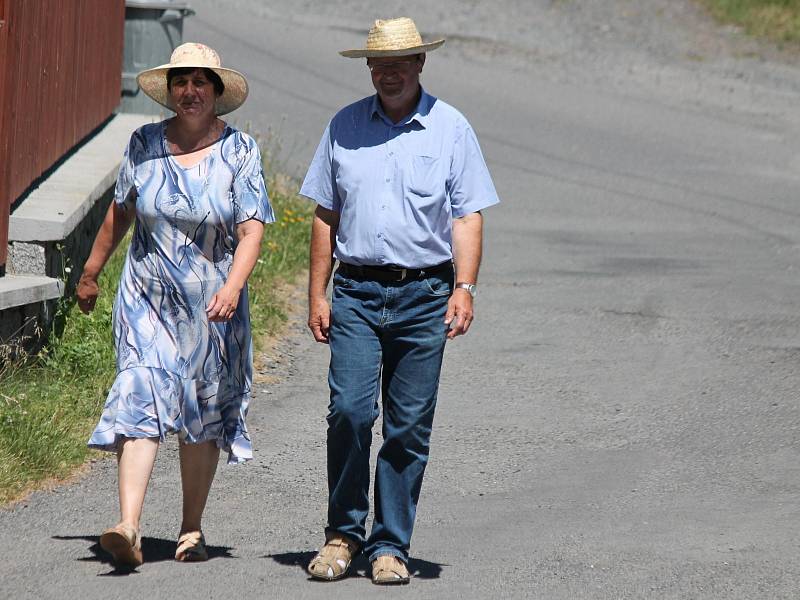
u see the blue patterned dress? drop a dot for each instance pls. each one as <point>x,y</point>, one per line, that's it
<point>176,371</point>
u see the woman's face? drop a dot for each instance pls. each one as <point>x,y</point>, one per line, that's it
<point>193,95</point>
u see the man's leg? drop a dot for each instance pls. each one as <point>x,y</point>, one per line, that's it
<point>413,345</point>
<point>353,378</point>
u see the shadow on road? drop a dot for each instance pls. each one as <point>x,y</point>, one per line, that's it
<point>422,569</point>
<point>153,549</point>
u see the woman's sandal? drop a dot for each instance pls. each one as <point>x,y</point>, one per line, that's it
<point>333,560</point>
<point>124,545</point>
<point>389,570</point>
<point>191,547</point>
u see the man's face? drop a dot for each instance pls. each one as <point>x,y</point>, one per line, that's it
<point>396,77</point>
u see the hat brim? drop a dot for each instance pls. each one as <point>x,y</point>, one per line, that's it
<point>153,82</point>
<point>370,53</point>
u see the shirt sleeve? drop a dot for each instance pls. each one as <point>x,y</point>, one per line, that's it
<point>125,190</point>
<point>319,184</point>
<point>470,185</point>
<point>250,199</point>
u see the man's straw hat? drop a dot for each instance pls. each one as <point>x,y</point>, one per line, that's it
<point>154,81</point>
<point>393,37</point>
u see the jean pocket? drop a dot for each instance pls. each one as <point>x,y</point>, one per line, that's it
<point>341,281</point>
<point>438,287</point>
<point>424,180</point>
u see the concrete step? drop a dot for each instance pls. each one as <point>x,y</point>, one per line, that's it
<point>54,209</point>
<point>18,290</point>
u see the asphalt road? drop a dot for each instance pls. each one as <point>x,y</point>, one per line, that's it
<point>622,420</point>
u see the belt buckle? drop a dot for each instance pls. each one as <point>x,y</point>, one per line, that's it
<point>401,272</point>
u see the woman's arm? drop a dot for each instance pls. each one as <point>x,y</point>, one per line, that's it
<point>116,223</point>
<point>223,304</point>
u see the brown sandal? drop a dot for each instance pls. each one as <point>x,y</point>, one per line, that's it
<point>124,545</point>
<point>389,570</point>
<point>333,560</point>
<point>191,547</point>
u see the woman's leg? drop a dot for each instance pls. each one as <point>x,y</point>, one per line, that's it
<point>198,465</point>
<point>135,459</point>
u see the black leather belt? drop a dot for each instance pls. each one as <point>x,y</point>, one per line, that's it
<point>391,272</point>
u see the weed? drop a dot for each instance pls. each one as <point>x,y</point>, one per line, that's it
<point>777,20</point>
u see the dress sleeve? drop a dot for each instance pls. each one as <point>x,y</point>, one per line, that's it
<point>125,190</point>
<point>319,184</point>
<point>470,185</point>
<point>250,199</point>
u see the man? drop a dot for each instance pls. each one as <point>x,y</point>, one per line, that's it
<point>400,181</point>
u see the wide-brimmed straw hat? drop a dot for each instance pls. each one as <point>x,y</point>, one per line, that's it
<point>192,55</point>
<point>393,37</point>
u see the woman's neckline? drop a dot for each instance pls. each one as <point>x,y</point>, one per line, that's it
<point>211,147</point>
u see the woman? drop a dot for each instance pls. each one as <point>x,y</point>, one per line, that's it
<point>195,188</point>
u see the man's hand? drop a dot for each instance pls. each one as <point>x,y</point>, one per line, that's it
<point>459,313</point>
<point>319,318</point>
<point>223,304</point>
<point>87,293</point>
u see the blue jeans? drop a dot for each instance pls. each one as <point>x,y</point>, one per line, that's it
<point>392,334</point>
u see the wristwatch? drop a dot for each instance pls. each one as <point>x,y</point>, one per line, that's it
<point>470,287</point>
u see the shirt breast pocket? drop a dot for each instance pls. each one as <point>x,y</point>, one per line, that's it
<point>424,178</point>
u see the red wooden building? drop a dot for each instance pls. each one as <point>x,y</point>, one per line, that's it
<point>60,76</point>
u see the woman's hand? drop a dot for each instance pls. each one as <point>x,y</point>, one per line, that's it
<point>87,293</point>
<point>223,304</point>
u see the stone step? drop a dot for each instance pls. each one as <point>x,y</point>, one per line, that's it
<point>18,290</point>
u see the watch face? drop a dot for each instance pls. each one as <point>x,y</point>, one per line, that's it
<point>470,287</point>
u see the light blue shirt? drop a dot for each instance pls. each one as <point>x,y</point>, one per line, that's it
<point>397,187</point>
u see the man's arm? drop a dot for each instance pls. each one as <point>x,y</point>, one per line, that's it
<point>323,241</point>
<point>467,248</point>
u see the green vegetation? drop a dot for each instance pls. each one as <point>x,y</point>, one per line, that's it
<point>777,20</point>
<point>50,403</point>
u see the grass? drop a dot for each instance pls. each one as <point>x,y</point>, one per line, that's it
<point>50,402</point>
<point>776,20</point>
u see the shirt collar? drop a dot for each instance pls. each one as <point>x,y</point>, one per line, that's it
<point>421,113</point>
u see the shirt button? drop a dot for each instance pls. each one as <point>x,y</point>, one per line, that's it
<point>383,207</point>
<point>388,180</point>
<point>380,235</point>
<point>391,153</point>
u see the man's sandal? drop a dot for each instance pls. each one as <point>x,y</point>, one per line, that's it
<point>191,547</point>
<point>124,545</point>
<point>333,560</point>
<point>389,570</point>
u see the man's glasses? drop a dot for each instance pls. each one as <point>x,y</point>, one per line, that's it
<point>387,67</point>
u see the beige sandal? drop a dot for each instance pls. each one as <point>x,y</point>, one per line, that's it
<point>389,570</point>
<point>191,547</point>
<point>333,560</point>
<point>124,545</point>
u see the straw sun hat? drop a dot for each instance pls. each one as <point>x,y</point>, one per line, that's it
<point>393,37</point>
<point>154,81</point>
